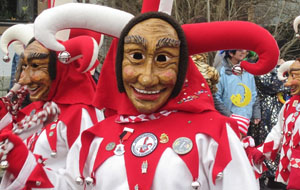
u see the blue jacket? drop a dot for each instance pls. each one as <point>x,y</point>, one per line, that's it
<point>237,93</point>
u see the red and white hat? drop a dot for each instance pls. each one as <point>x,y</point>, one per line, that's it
<point>97,18</point>
<point>295,25</point>
<point>284,69</point>
<point>19,35</point>
<point>213,36</point>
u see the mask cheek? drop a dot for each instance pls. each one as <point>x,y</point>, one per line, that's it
<point>168,77</point>
<point>129,74</point>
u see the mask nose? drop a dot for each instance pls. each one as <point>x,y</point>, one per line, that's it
<point>24,77</point>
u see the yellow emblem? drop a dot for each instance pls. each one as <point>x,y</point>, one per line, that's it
<point>164,138</point>
<point>237,99</point>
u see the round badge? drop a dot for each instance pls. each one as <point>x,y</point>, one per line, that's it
<point>182,145</point>
<point>110,146</point>
<point>144,144</point>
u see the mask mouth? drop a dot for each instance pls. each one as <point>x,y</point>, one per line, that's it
<point>147,95</point>
<point>33,89</point>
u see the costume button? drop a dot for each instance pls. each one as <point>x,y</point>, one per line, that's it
<point>289,133</point>
<point>79,180</point>
<point>38,183</point>
<point>89,180</point>
<point>4,164</point>
<point>220,175</point>
<point>53,154</point>
<point>196,185</point>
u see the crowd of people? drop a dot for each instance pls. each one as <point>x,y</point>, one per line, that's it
<point>152,120</point>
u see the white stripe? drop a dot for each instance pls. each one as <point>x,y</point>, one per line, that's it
<point>165,6</point>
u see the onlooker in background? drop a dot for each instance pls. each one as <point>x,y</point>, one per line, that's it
<point>268,88</point>
<point>236,89</point>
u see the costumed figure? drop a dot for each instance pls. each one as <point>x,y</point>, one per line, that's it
<point>284,137</point>
<point>40,135</point>
<point>272,94</point>
<point>167,133</point>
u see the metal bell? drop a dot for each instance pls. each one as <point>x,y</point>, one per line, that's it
<point>6,58</point>
<point>4,164</point>
<point>196,185</point>
<point>38,183</point>
<point>64,57</point>
<point>297,35</point>
<point>220,175</point>
<point>53,154</point>
<point>89,180</point>
<point>79,180</point>
<point>237,69</point>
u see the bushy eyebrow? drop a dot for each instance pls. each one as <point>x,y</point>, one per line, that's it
<point>167,42</point>
<point>32,56</point>
<point>294,69</point>
<point>135,39</point>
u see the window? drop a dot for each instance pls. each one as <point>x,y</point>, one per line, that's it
<point>12,11</point>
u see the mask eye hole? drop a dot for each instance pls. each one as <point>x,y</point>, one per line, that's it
<point>137,56</point>
<point>162,58</point>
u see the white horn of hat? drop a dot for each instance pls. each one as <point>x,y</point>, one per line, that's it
<point>78,15</point>
<point>284,67</point>
<point>165,6</point>
<point>295,25</point>
<point>22,33</point>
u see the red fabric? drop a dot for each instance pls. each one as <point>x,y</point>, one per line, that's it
<point>85,32</point>
<point>258,156</point>
<point>205,37</point>
<point>71,86</point>
<point>17,156</point>
<point>38,175</point>
<point>3,110</point>
<point>294,182</point>
<point>150,5</point>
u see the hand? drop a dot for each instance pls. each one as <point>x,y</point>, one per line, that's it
<point>257,156</point>
<point>14,151</point>
<point>256,121</point>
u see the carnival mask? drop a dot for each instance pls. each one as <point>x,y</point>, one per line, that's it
<point>34,73</point>
<point>293,80</point>
<point>150,64</point>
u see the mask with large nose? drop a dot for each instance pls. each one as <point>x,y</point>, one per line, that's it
<point>34,71</point>
<point>293,80</point>
<point>150,64</point>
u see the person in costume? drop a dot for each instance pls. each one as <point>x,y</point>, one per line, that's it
<point>236,89</point>
<point>167,133</point>
<point>61,108</point>
<point>284,136</point>
<point>269,86</point>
